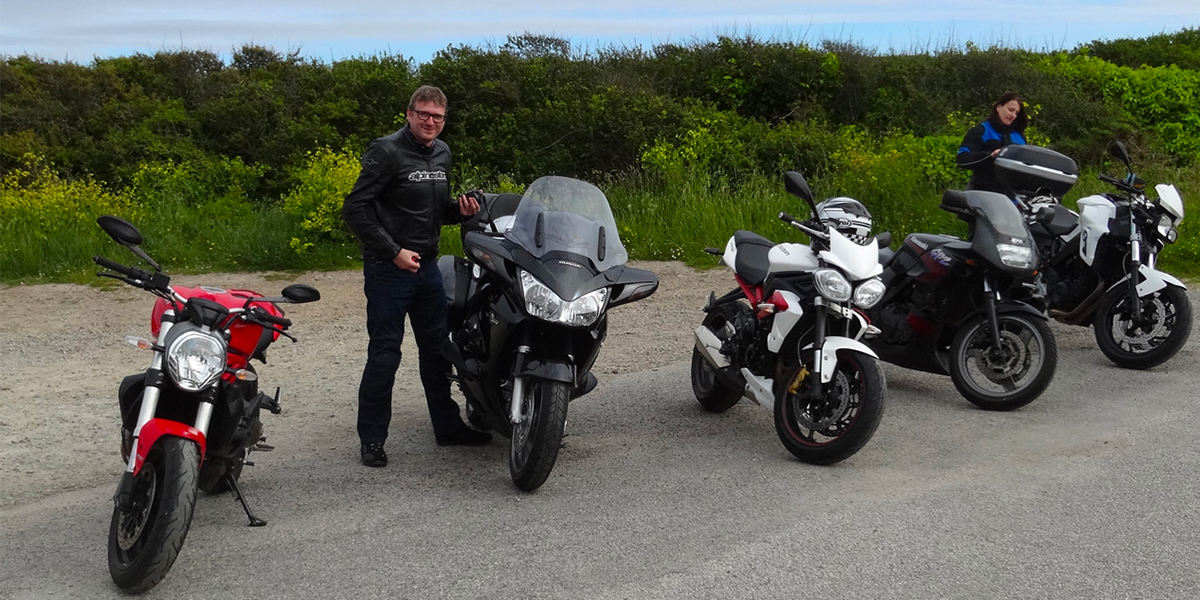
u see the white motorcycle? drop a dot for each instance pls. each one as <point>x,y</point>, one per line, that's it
<point>1100,265</point>
<point>788,337</point>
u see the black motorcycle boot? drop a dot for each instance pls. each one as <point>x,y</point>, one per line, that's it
<point>464,437</point>
<point>373,455</point>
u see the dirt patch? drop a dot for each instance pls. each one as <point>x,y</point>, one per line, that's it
<point>62,357</point>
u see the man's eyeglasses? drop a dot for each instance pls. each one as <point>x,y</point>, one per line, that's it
<point>423,116</point>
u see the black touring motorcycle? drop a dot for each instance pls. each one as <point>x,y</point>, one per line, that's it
<point>528,311</point>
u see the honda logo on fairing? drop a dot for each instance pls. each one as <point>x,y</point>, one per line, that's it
<point>569,264</point>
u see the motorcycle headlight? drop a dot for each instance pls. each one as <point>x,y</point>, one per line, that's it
<point>543,303</point>
<point>1017,257</point>
<point>832,284</point>
<point>195,360</point>
<point>1166,229</point>
<point>869,293</point>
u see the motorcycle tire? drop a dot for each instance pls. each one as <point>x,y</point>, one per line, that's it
<point>535,442</point>
<point>712,394</point>
<point>1013,378</point>
<point>831,429</point>
<point>1172,314</point>
<point>144,542</point>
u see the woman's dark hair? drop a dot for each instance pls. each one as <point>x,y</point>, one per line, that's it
<point>1022,119</point>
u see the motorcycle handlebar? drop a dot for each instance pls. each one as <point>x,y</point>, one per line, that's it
<point>113,266</point>
<point>265,316</point>
<point>786,218</point>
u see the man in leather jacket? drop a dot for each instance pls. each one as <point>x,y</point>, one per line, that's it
<point>396,210</point>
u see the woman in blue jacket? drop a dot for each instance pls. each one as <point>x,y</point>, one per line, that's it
<point>1006,125</point>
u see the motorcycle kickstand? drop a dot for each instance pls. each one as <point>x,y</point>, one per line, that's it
<point>237,491</point>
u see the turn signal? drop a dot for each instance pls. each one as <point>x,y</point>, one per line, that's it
<point>245,375</point>
<point>140,342</point>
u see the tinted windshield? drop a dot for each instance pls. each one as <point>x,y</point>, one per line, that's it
<point>560,214</point>
<point>1000,212</point>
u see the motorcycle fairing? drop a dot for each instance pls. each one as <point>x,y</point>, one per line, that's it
<point>157,428</point>
<point>784,321</point>
<point>1169,198</point>
<point>630,284</point>
<point>858,262</point>
<point>1095,213</point>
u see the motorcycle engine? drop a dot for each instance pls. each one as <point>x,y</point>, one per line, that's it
<point>747,346</point>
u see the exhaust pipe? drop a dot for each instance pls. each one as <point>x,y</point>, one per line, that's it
<point>709,345</point>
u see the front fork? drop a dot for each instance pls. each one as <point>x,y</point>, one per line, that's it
<point>517,405</point>
<point>155,379</point>
<point>991,297</point>
<point>1135,263</point>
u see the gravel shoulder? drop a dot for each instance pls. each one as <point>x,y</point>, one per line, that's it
<point>62,357</point>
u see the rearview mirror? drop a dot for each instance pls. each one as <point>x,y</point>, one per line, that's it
<point>300,293</point>
<point>1117,150</point>
<point>120,230</point>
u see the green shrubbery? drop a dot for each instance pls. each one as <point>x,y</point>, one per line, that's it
<point>243,165</point>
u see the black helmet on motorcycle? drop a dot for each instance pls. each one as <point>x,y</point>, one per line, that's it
<point>848,216</point>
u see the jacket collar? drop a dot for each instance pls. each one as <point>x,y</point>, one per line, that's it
<point>406,134</point>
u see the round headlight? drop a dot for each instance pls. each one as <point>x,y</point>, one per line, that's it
<point>869,293</point>
<point>195,360</point>
<point>832,284</point>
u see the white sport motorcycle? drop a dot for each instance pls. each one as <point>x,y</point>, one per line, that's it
<point>788,337</point>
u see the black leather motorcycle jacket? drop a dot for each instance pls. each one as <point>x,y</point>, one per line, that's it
<point>401,198</point>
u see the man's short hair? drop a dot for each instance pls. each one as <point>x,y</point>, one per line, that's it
<point>427,93</point>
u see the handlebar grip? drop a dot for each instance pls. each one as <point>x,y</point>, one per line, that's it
<point>1107,179</point>
<point>267,317</point>
<point>786,218</point>
<point>113,266</point>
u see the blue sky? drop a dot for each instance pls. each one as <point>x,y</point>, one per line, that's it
<point>78,30</point>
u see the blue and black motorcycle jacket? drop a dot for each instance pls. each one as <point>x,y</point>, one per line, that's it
<point>977,147</point>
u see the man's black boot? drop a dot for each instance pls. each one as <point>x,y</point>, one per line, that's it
<point>373,455</point>
<point>464,437</point>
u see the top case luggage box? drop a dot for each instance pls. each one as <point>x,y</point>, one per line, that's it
<point>1032,169</point>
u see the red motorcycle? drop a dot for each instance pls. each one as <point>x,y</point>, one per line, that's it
<point>190,421</point>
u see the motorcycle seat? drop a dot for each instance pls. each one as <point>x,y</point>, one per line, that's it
<point>751,263</point>
<point>1063,222</point>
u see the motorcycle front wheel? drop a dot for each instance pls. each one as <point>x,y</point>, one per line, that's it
<point>144,542</point>
<point>536,439</point>
<point>1008,378</point>
<point>831,428</point>
<point>1167,324</point>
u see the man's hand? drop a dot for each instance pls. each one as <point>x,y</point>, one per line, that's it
<point>467,205</point>
<point>408,260</point>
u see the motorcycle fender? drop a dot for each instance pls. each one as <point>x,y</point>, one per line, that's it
<point>1014,306</point>
<point>554,371</point>
<point>1152,281</point>
<point>829,351</point>
<point>157,428</point>
<point>783,323</point>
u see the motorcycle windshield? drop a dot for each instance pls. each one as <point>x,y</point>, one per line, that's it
<point>560,214</point>
<point>998,210</point>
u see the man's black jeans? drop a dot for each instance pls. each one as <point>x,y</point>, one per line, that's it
<point>391,294</point>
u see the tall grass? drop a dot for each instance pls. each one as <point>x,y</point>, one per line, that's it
<point>48,231</point>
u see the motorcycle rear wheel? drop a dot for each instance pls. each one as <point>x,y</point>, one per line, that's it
<point>831,429</point>
<point>1170,312</point>
<point>144,542</point>
<point>1015,376</point>
<point>713,395</point>
<point>535,441</point>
